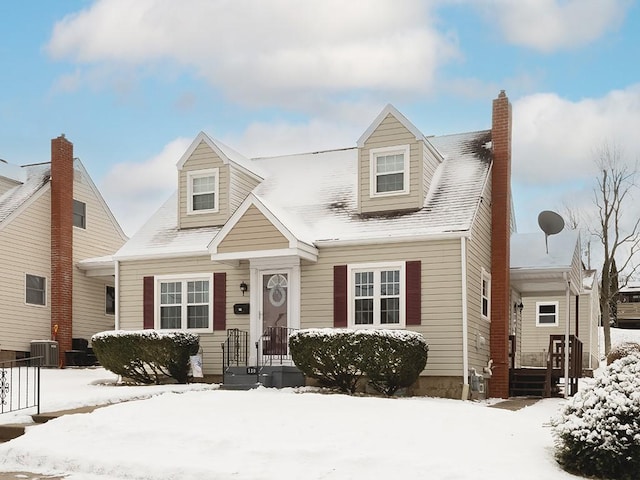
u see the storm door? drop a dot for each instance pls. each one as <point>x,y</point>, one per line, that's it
<point>275,313</point>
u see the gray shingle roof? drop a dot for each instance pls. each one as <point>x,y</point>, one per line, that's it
<point>36,177</point>
<point>314,195</point>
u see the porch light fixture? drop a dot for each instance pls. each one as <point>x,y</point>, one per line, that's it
<point>518,306</point>
<point>243,288</point>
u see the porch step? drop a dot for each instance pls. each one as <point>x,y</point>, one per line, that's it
<point>11,431</point>
<point>529,382</point>
<point>282,376</point>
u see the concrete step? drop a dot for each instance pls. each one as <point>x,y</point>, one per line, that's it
<point>11,431</point>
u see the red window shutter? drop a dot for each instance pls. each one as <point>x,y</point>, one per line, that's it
<point>340,296</point>
<point>148,306</point>
<point>220,301</point>
<point>413,290</point>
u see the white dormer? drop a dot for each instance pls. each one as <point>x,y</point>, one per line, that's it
<point>395,165</point>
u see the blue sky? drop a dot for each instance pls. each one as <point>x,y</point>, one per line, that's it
<point>132,83</point>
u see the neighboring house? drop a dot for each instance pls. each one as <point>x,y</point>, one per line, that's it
<point>52,217</point>
<point>395,232</point>
<point>546,284</point>
<point>628,306</point>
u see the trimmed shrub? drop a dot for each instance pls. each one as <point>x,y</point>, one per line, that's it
<point>146,356</point>
<point>390,359</point>
<point>622,350</point>
<point>598,432</point>
<point>329,355</point>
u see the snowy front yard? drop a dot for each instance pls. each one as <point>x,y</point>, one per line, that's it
<point>270,434</point>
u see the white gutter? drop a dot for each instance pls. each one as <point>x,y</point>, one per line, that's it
<point>117,288</point>
<point>465,321</point>
<point>566,339</point>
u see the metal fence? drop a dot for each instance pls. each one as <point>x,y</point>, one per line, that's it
<point>20,384</point>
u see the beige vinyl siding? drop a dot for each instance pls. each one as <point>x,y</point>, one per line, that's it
<point>253,232</point>
<point>588,317</point>
<point>26,246</point>
<point>391,133</point>
<point>204,158</point>
<point>6,185</point>
<point>441,299</point>
<point>132,274</point>
<point>535,339</point>
<point>430,165</point>
<point>99,238</point>
<point>479,257</point>
<point>241,184</point>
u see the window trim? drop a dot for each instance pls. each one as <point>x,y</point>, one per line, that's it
<point>374,153</point>
<point>106,289</point>
<point>485,276</point>
<point>556,323</point>
<point>44,291</point>
<point>352,269</point>
<point>194,174</point>
<point>183,279</point>
<point>84,214</point>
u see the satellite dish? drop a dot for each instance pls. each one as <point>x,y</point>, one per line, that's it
<point>550,223</point>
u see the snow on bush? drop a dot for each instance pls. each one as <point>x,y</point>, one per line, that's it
<point>390,359</point>
<point>598,432</point>
<point>146,356</point>
<point>622,350</point>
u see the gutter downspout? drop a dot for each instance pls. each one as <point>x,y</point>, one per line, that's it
<point>465,321</point>
<point>566,338</point>
<point>117,293</point>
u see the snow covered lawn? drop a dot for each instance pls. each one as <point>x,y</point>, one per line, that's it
<point>199,432</point>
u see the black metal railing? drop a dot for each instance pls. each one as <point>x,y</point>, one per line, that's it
<point>235,350</point>
<point>272,348</point>
<point>20,384</point>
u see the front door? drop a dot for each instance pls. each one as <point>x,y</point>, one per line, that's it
<point>275,312</point>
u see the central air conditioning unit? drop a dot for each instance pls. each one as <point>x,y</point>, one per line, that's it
<point>47,350</point>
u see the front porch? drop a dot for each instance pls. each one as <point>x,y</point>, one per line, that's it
<point>268,362</point>
<point>553,380</point>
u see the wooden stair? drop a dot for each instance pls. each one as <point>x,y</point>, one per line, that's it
<point>530,382</point>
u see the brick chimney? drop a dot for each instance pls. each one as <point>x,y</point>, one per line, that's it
<point>500,241</point>
<point>62,243</point>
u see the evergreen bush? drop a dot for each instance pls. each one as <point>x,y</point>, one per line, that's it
<point>390,359</point>
<point>598,432</point>
<point>622,350</point>
<point>146,356</point>
<point>329,355</point>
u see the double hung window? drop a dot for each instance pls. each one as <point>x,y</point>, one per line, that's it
<point>389,170</point>
<point>203,190</point>
<point>547,314</point>
<point>377,295</point>
<point>35,290</point>
<point>185,303</point>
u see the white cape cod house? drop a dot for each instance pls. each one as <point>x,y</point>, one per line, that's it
<point>394,232</point>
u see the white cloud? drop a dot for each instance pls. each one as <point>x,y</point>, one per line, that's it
<point>555,140</point>
<point>258,51</point>
<point>135,190</point>
<point>549,25</point>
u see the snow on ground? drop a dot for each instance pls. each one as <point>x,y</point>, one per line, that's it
<point>199,432</point>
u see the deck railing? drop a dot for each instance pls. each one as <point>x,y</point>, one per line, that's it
<point>20,384</point>
<point>556,362</point>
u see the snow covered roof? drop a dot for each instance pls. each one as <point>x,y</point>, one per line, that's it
<point>34,178</point>
<point>315,196</point>
<point>589,278</point>
<point>631,287</point>
<point>528,250</point>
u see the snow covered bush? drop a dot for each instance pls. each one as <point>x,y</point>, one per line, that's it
<point>390,359</point>
<point>146,356</point>
<point>598,432</point>
<point>329,355</point>
<point>622,350</point>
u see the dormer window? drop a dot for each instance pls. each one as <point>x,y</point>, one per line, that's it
<point>203,191</point>
<point>389,170</point>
